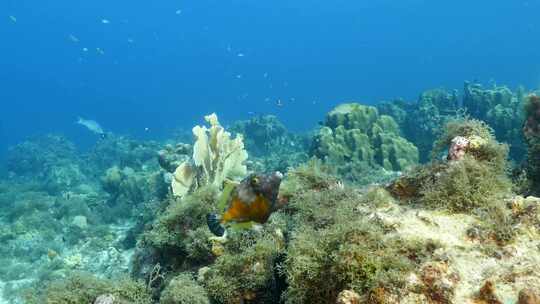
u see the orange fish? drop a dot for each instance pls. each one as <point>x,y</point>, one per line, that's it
<point>252,200</point>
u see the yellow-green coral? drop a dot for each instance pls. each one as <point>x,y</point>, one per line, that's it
<point>355,140</point>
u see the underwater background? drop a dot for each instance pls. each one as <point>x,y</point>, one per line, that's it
<point>164,64</point>
<point>290,152</point>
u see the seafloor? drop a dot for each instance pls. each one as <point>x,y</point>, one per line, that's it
<point>425,201</point>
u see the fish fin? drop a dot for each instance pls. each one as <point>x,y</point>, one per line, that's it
<point>214,224</point>
<point>228,187</point>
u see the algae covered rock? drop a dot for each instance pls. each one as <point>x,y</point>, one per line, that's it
<point>183,289</point>
<point>355,137</point>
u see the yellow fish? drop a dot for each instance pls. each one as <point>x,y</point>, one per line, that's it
<point>252,200</point>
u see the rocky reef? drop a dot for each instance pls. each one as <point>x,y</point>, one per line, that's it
<point>372,209</point>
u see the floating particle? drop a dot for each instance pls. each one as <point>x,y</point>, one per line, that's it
<point>240,55</point>
<point>85,49</point>
<point>178,12</point>
<point>265,75</point>
<point>105,21</point>
<point>100,51</point>
<point>239,76</point>
<point>13,18</point>
<point>130,40</point>
<point>73,38</point>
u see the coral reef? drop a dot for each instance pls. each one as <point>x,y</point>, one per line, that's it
<point>133,213</point>
<point>501,109</point>
<point>423,120</point>
<point>270,145</point>
<point>356,139</point>
<point>50,161</point>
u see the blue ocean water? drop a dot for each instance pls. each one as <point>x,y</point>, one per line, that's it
<point>132,65</point>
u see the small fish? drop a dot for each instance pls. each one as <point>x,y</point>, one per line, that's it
<point>253,200</point>
<point>100,51</point>
<point>73,38</point>
<point>85,49</point>
<point>91,125</point>
<point>178,12</point>
<point>13,18</point>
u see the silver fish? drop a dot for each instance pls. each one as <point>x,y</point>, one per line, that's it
<point>91,125</point>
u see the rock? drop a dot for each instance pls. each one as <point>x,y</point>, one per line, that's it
<point>487,294</point>
<point>80,221</point>
<point>348,297</point>
<point>458,147</point>
<point>440,284</point>
<point>528,296</point>
<point>106,299</point>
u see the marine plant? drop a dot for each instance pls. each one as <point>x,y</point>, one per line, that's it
<point>171,227</point>
<point>245,271</point>
<point>334,248</point>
